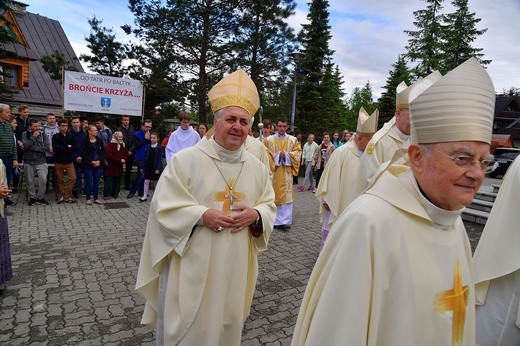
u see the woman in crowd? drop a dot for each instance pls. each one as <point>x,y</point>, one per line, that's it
<point>116,155</point>
<point>336,141</point>
<point>6,270</point>
<point>152,164</point>
<point>203,128</point>
<point>92,162</point>
<point>322,156</point>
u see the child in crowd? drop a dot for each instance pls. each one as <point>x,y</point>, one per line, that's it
<point>152,164</point>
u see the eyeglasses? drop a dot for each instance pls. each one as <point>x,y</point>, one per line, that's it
<point>64,125</point>
<point>487,164</point>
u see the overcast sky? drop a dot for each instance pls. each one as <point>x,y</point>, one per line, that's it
<point>367,35</point>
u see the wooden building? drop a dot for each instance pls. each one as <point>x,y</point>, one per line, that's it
<point>37,36</point>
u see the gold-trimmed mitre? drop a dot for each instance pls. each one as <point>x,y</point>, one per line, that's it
<point>458,107</point>
<point>236,89</point>
<point>367,125</point>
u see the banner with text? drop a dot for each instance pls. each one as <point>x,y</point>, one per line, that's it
<point>85,92</point>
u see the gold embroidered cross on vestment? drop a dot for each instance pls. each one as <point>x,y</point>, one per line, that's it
<point>229,196</point>
<point>456,300</point>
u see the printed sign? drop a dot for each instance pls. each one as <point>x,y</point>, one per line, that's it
<point>85,92</point>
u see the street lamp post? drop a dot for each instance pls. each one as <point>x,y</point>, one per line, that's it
<point>297,57</point>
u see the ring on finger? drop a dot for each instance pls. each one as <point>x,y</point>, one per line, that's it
<point>220,229</point>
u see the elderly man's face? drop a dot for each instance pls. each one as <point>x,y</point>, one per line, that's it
<point>362,141</point>
<point>446,184</point>
<point>232,127</point>
<point>402,120</point>
<point>5,115</point>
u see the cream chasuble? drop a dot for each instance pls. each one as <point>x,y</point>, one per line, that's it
<point>283,170</point>
<point>395,270</point>
<point>497,267</point>
<point>381,148</point>
<point>255,147</point>
<point>340,183</point>
<point>211,276</point>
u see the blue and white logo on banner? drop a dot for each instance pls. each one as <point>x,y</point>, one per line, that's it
<point>106,102</point>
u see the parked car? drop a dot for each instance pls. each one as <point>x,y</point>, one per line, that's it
<point>504,157</point>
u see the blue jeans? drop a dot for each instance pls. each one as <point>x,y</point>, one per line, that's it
<point>138,184</point>
<point>92,176</point>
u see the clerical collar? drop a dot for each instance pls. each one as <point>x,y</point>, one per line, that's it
<point>401,135</point>
<point>228,156</point>
<point>443,219</point>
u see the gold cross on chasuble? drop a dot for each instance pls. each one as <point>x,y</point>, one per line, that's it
<point>455,299</point>
<point>229,196</point>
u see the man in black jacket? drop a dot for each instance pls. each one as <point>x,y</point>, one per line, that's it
<point>63,149</point>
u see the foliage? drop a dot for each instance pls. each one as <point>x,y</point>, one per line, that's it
<point>361,97</point>
<point>55,63</point>
<point>108,54</point>
<point>460,32</point>
<point>190,45</point>
<point>386,103</point>
<point>425,45</point>
<point>313,114</point>
<point>443,41</point>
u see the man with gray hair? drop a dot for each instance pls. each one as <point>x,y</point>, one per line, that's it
<point>396,269</point>
<point>210,218</point>
<point>8,151</point>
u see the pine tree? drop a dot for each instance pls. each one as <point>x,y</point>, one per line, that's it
<point>361,97</point>
<point>460,32</point>
<point>189,43</point>
<point>108,54</point>
<point>315,39</point>
<point>425,45</point>
<point>265,41</point>
<point>331,102</point>
<point>55,63</point>
<point>386,103</point>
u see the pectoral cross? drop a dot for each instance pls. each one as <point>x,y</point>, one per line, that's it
<point>455,299</point>
<point>229,196</point>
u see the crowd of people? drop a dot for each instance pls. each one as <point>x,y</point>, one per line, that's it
<point>395,265</point>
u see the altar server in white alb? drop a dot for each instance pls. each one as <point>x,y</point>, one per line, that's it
<point>497,267</point>
<point>340,182</point>
<point>210,218</point>
<point>396,268</point>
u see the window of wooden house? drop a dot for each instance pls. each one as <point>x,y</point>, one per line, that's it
<point>11,76</point>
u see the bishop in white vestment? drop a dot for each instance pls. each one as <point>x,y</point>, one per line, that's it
<point>210,218</point>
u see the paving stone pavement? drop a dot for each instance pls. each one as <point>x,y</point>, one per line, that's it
<point>75,268</point>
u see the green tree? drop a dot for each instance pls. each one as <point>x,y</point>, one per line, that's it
<point>361,97</point>
<point>265,41</point>
<point>55,63</point>
<point>108,54</point>
<point>459,34</point>
<point>386,103</point>
<point>425,46</point>
<point>192,41</point>
<point>314,39</point>
<point>332,102</point>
